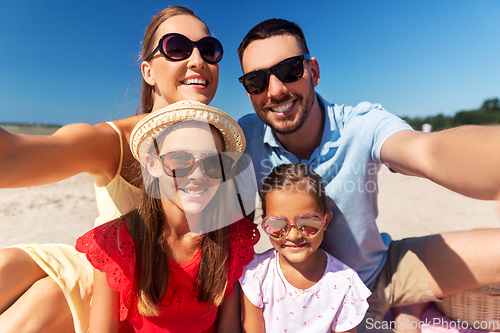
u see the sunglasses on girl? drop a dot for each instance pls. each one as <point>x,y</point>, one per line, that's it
<point>308,225</point>
<point>287,71</point>
<point>181,164</point>
<point>177,47</point>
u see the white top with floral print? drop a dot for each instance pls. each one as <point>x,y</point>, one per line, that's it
<point>337,302</point>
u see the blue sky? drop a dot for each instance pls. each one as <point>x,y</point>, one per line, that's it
<point>76,61</point>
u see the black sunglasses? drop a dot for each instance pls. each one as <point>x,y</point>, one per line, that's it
<point>181,164</point>
<point>287,71</point>
<point>177,47</point>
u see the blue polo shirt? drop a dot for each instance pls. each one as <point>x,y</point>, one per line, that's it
<point>348,160</point>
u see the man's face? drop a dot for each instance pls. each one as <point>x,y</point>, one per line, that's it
<point>285,107</point>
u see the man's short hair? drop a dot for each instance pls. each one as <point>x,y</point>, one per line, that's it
<point>270,28</point>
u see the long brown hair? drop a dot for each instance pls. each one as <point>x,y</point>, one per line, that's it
<point>146,225</point>
<point>147,90</point>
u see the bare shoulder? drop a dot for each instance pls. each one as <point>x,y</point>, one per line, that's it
<point>126,125</point>
<point>106,133</point>
<point>83,133</point>
<point>129,170</point>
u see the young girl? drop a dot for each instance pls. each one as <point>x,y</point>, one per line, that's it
<point>48,287</point>
<point>150,268</point>
<point>297,287</point>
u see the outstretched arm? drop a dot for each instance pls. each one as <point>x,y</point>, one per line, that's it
<point>30,160</point>
<point>464,159</point>
<point>104,312</point>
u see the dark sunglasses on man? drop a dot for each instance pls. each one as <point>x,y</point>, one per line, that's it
<point>177,47</point>
<point>287,71</point>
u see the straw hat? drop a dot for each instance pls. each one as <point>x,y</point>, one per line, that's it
<point>154,123</point>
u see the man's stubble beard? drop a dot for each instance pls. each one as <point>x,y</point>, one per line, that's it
<point>302,113</point>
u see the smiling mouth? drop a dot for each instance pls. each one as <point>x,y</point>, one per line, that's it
<point>195,82</point>
<point>282,108</point>
<point>192,192</point>
<point>295,246</point>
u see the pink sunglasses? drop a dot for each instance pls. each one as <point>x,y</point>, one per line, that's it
<point>308,225</point>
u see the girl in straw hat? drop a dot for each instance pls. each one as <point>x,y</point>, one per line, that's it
<point>168,265</point>
<point>53,278</point>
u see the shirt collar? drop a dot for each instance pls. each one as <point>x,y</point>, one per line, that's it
<point>331,132</point>
<point>328,129</point>
<point>270,137</point>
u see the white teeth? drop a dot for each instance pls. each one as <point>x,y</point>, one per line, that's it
<point>283,108</point>
<point>194,191</point>
<point>195,81</point>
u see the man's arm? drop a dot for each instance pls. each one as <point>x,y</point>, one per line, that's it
<point>464,159</point>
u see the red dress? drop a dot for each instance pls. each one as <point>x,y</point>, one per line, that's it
<point>183,312</point>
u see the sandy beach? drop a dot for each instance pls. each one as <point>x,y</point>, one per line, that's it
<point>408,206</point>
<point>55,213</point>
